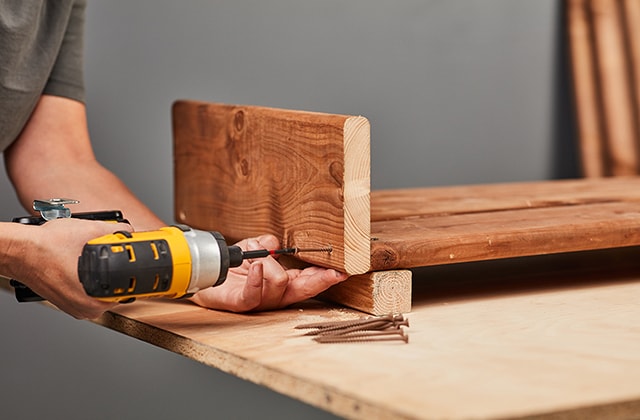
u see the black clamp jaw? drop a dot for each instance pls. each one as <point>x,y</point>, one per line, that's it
<point>51,209</point>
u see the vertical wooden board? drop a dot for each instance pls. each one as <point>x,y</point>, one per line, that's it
<point>631,10</point>
<point>302,176</point>
<point>613,61</point>
<point>586,98</point>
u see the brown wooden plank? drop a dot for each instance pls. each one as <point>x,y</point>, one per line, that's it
<point>463,199</point>
<point>616,87</point>
<point>586,98</point>
<point>377,293</point>
<point>432,240</point>
<point>302,176</point>
<point>631,9</point>
<point>234,172</point>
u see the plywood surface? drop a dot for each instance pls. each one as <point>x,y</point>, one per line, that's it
<point>302,176</point>
<point>430,226</point>
<point>528,337</point>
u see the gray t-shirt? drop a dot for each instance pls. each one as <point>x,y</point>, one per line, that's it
<point>41,52</point>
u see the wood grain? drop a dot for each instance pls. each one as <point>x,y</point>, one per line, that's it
<point>603,37</point>
<point>302,176</point>
<point>377,293</point>
<point>510,344</point>
<point>465,199</point>
<point>586,94</point>
<point>613,63</point>
<point>414,228</point>
<point>631,16</point>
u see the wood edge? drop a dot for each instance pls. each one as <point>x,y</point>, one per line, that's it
<point>178,107</point>
<point>614,410</point>
<point>300,388</point>
<point>357,195</point>
<point>376,293</point>
<point>207,103</point>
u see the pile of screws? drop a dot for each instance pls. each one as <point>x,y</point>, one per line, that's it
<point>371,329</point>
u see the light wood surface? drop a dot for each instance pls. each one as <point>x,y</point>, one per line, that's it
<point>553,336</point>
<point>302,176</point>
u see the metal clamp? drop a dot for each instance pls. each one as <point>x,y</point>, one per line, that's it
<point>54,208</point>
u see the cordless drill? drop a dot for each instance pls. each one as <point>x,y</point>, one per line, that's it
<point>175,261</point>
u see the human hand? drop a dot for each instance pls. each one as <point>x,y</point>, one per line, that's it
<point>49,263</point>
<point>264,284</point>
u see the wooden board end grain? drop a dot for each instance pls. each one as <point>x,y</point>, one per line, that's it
<point>377,293</point>
<point>302,176</point>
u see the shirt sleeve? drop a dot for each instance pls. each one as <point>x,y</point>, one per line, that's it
<point>67,77</point>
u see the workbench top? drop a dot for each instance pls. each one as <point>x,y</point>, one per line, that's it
<point>541,336</point>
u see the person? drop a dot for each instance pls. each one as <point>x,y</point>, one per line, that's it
<point>47,153</point>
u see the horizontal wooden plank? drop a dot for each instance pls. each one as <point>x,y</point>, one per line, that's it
<point>432,240</point>
<point>407,203</point>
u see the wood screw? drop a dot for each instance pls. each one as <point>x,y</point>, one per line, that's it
<point>380,328</point>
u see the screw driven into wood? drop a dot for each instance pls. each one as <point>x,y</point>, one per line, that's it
<point>327,249</point>
<point>261,253</point>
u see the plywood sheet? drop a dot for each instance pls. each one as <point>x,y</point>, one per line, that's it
<point>494,340</point>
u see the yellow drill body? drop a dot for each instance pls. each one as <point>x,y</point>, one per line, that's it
<point>173,262</point>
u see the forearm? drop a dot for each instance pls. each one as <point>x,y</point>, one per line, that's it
<point>14,239</point>
<point>53,158</point>
<point>95,187</point>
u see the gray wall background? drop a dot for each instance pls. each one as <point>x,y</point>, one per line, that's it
<point>457,92</point>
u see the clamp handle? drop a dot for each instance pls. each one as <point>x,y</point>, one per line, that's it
<point>54,208</point>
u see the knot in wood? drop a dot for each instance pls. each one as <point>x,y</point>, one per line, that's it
<point>383,259</point>
<point>244,167</point>
<point>336,169</point>
<point>238,121</point>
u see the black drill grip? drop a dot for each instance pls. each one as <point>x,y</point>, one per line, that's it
<point>24,293</point>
